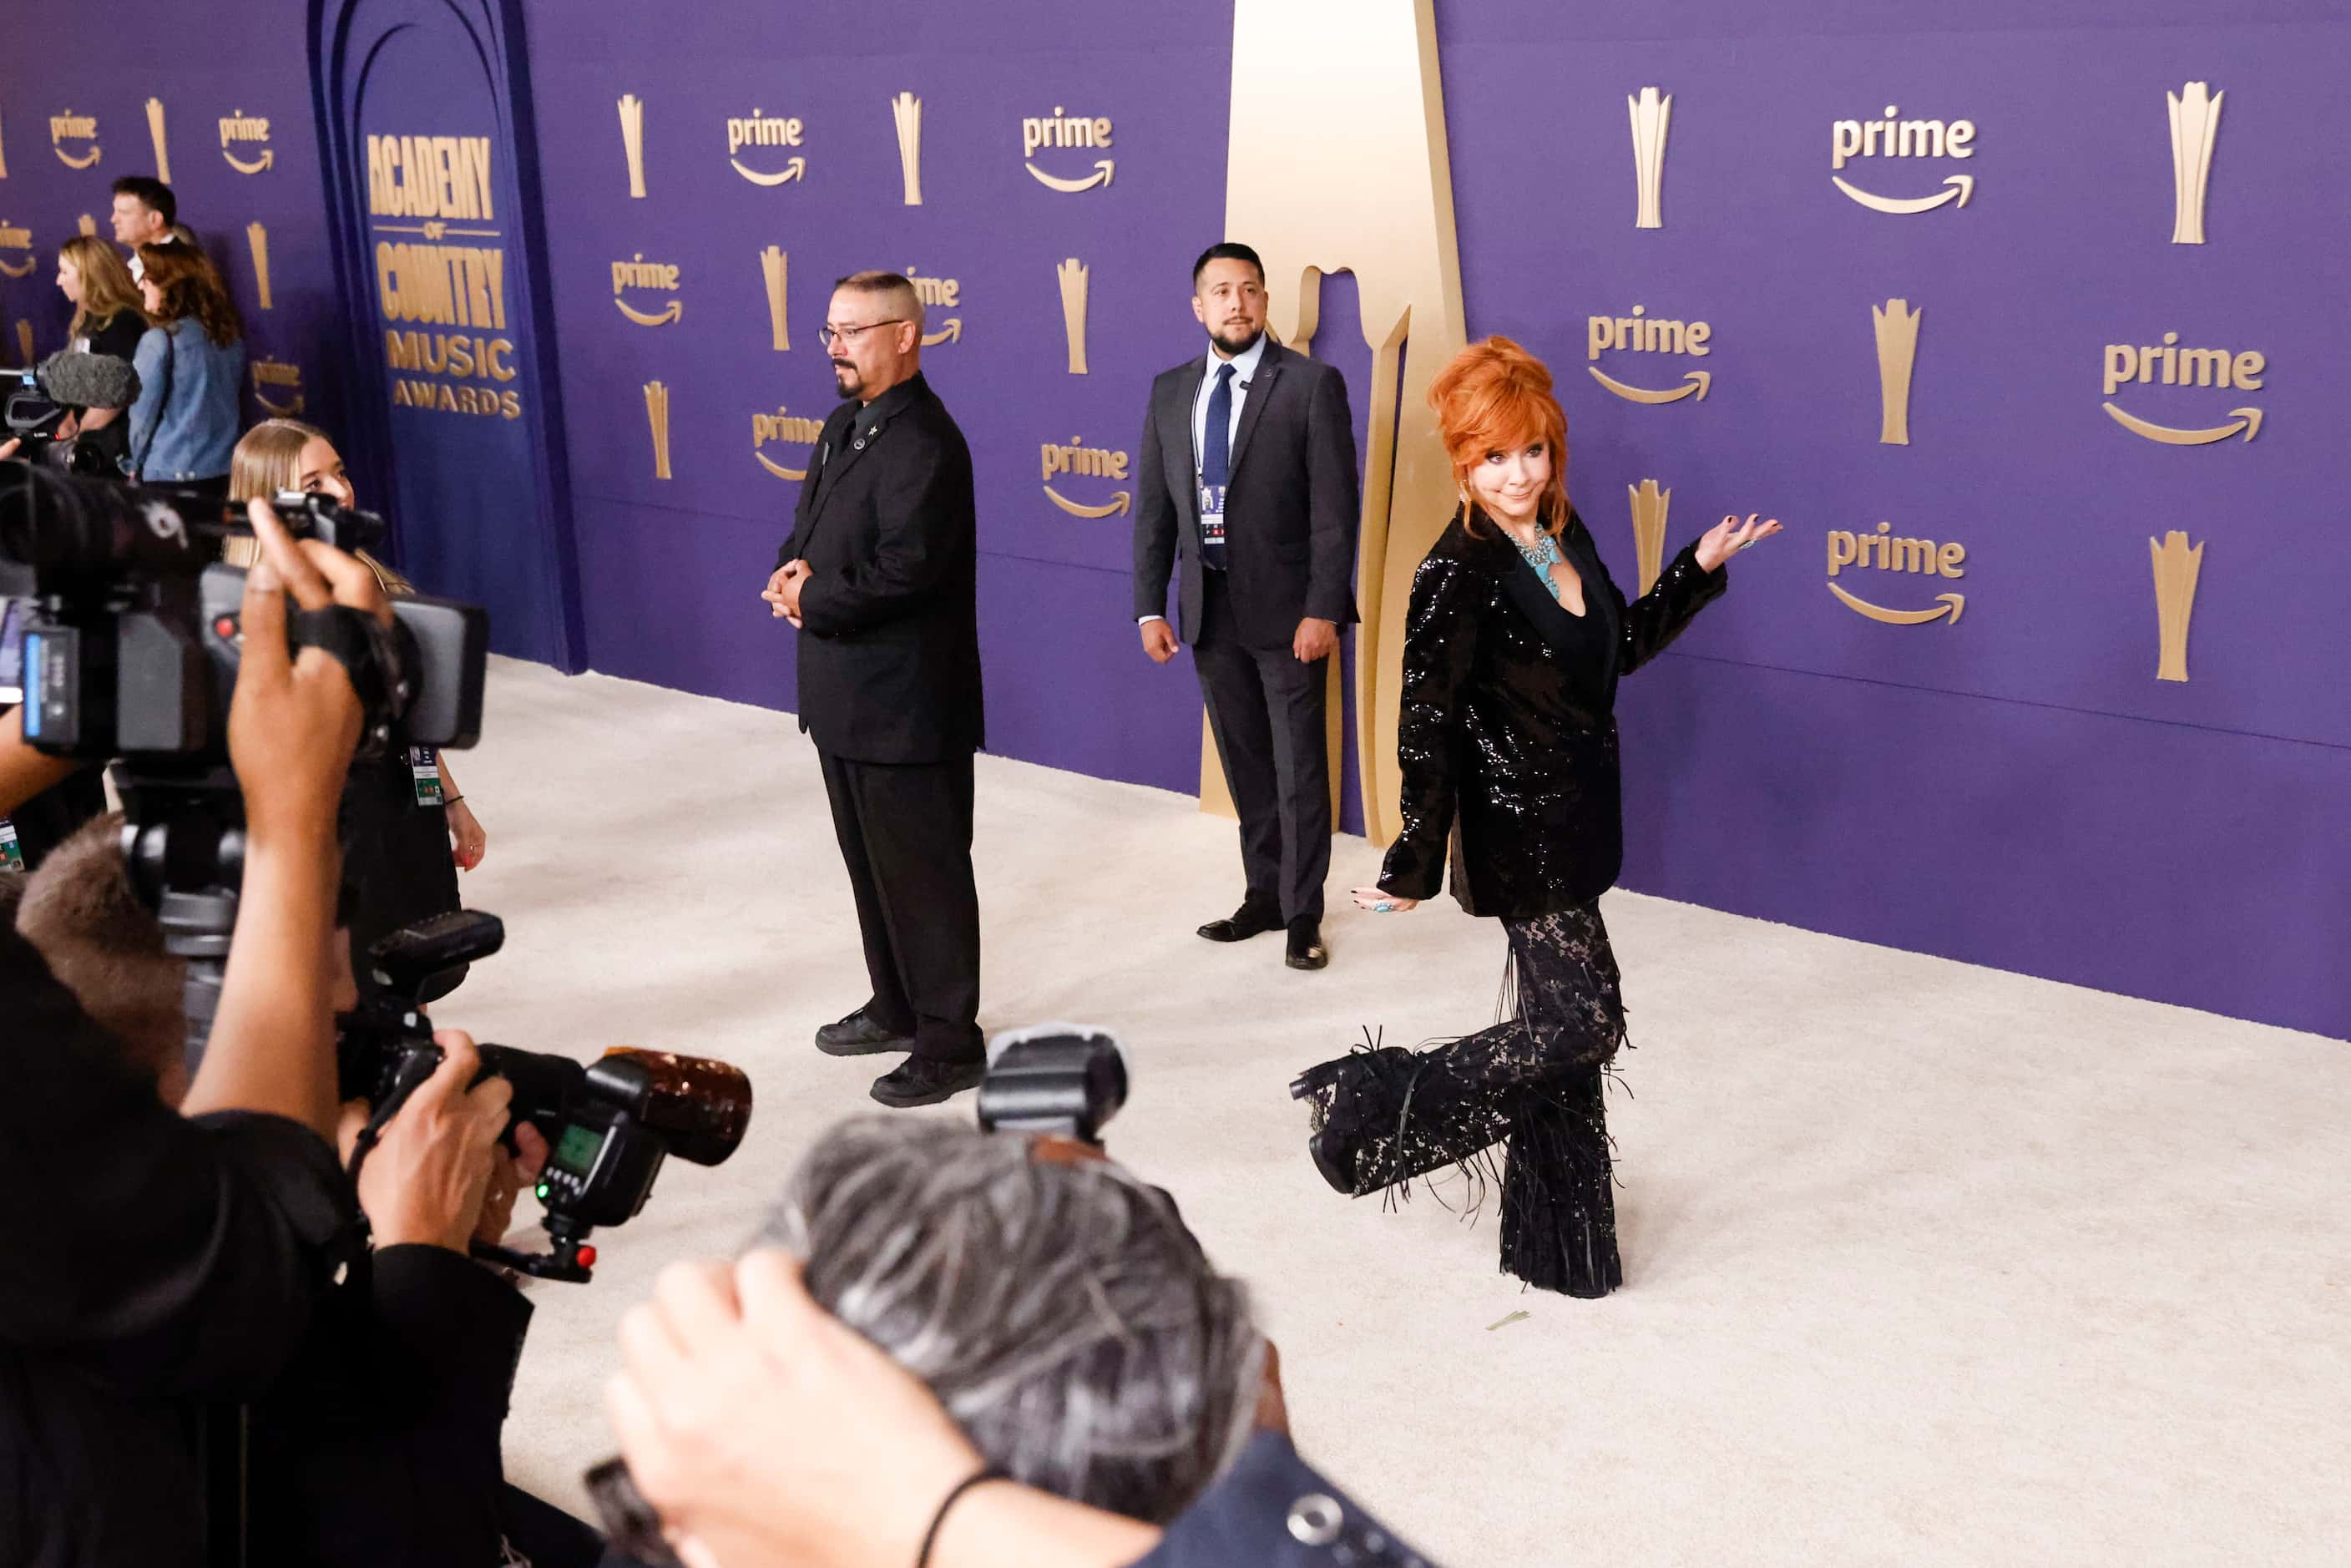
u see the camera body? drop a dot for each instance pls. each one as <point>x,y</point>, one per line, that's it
<point>610,1124</point>
<point>1057,1079</point>
<point>136,636</point>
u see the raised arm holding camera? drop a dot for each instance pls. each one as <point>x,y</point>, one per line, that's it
<point>173,1263</point>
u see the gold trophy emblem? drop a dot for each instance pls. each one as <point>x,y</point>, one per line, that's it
<point>2195,122</point>
<point>90,226</point>
<point>155,129</point>
<point>1898,348</point>
<point>25,339</point>
<point>657,414</point>
<point>257,238</point>
<point>632,143</point>
<point>1073,276</point>
<point>907,111</point>
<point>771,265</point>
<point>2176,566</point>
<point>1649,504</point>
<point>1652,112</point>
<point>4,152</point>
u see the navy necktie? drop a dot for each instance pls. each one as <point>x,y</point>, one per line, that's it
<point>1216,469</point>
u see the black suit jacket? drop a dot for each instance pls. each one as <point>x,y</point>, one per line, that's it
<point>1507,735</point>
<point>1291,505</point>
<point>889,653</point>
<point>1271,1509</point>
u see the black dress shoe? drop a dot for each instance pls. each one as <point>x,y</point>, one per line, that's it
<point>859,1035</point>
<point>1306,949</point>
<point>1248,921</point>
<point>919,1080</point>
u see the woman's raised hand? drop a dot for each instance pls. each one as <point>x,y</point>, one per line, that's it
<point>1730,536</point>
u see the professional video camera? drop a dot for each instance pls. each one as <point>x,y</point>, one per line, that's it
<point>609,1124</point>
<point>1060,1079</point>
<point>131,652</point>
<point>37,402</point>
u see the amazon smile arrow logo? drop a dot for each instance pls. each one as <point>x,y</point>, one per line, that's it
<point>947,334</point>
<point>1960,186</point>
<point>793,171</point>
<point>2247,420</point>
<point>1950,605</point>
<point>1118,504</point>
<point>1697,382</point>
<point>1101,176</point>
<point>777,469</point>
<point>23,271</point>
<point>269,156</point>
<point>668,313</point>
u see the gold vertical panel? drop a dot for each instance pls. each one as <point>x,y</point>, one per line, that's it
<point>90,226</point>
<point>2195,122</point>
<point>657,415</point>
<point>1217,796</point>
<point>1073,276</point>
<point>1897,345</point>
<point>772,262</point>
<point>4,150</point>
<point>25,339</point>
<point>907,111</point>
<point>258,238</point>
<point>1321,141</point>
<point>155,129</point>
<point>1652,113</point>
<point>1649,504</point>
<point>2177,567</point>
<point>632,143</point>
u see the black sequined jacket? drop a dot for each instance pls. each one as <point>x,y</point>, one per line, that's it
<point>1508,749</point>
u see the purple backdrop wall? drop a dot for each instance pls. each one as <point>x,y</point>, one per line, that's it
<point>2013,787</point>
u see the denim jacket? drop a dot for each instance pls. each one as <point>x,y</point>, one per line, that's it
<point>191,435</point>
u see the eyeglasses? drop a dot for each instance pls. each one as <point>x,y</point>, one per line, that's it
<point>829,333</point>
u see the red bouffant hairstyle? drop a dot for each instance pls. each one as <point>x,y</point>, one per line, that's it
<point>1496,397</point>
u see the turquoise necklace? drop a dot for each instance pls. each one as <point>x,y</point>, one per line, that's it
<point>1542,556</point>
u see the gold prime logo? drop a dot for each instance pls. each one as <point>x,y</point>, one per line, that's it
<point>632,143</point>
<point>773,266</point>
<point>1652,113</point>
<point>1650,505</point>
<point>256,240</point>
<point>637,273</point>
<point>1071,275</point>
<point>787,428</point>
<point>1642,333</point>
<point>1896,325</point>
<point>1894,137</point>
<point>1079,460</point>
<point>760,129</point>
<point>155,132</point>
<point>286,379</point>
<point>1061,129</point>
<point>938,294</point>
<point>241,129</point>
<point>71,127</point>
<point>2195,122</point>
<point>2168,364</point>
<point>657,416</point>
<point>15,238</point>
<point>2177,567</point>
<point>907,109</point>
<point>1884,552</point>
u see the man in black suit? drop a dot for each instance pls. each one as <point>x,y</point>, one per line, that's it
<point>1248,486</point>
<point>879,576</point>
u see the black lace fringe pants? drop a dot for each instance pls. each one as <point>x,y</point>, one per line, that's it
<point>1385,1115</point>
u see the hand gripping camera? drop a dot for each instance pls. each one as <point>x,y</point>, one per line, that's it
<point>610,1124</point>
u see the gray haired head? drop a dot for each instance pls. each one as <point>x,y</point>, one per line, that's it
<point>1062,1314</point>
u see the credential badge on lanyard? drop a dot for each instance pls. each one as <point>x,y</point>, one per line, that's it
<point>423,766</point>
<point>12,853</point>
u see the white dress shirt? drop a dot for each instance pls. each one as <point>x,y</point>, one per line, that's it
<point>1245,364</point>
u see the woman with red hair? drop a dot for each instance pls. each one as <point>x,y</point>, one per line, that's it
<point>1507,741</point>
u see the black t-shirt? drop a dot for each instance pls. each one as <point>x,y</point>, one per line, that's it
<point>148,1263</point>
<point>119,334</point>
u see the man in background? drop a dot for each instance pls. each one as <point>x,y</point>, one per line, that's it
<point>145,213</point>
<point>1248,495</point>
<point>880,576</point>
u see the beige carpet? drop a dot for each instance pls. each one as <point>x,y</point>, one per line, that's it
<point>1925,1263</point>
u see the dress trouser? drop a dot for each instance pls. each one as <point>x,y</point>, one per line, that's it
<point>905,836</point>
<point>1267,713</point>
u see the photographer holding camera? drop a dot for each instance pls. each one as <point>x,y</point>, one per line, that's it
<point>172,1262</point>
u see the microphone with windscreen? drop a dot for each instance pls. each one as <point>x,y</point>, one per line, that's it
<point>88,380</point>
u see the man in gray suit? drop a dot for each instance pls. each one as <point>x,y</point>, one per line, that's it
<point>1247,496</point>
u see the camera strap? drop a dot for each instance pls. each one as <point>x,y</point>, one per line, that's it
<point>368,651</point>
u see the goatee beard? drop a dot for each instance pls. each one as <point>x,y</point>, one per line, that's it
<point>1230,346</point>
